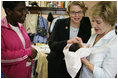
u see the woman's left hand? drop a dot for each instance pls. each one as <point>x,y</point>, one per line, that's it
<point>29,59</point>
<point>87,64</point>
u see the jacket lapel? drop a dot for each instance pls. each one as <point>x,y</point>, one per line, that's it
<point>67,28</point>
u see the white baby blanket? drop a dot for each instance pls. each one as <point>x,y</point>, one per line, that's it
<point>72,59</point>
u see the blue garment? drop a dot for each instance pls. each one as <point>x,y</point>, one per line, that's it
<point>2,75</point>
<point>42,23</point>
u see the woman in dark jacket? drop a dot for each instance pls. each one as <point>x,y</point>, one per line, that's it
<point>65,31</point>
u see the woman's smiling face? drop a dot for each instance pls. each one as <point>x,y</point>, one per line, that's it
<point>76,13</point>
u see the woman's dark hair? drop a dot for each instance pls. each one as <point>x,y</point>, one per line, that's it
<point>10,4</point>
<point>74,47</point>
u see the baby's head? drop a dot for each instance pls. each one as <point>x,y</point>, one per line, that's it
<point>74,47</point>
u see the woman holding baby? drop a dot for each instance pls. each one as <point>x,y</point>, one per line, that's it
<point>102,62</point>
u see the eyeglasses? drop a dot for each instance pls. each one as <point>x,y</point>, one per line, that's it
<point>74,13</point>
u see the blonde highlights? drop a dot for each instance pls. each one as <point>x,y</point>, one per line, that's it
<point>107,10</point>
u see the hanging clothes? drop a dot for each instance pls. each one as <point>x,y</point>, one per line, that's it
<point>42,22</point>
<point>30,23</point>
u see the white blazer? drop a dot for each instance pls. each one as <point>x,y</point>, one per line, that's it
<point>103,57</point>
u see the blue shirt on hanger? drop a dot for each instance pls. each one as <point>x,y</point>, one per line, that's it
<point>42,23</point>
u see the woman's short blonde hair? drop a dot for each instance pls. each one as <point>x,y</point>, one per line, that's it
<point>107,10</point>
<point>80,3</point>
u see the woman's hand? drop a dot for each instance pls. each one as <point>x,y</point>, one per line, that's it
<point>74,40</point>
<point>87,64</point>
<point>29,59</point>
<point>34,53</point>
<point>84,60</point>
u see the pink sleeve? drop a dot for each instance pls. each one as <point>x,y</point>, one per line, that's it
<point>14,56</point>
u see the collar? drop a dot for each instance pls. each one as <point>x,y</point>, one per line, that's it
<point>109,35</point>
<point>104,39</point>
<point>4,23</point>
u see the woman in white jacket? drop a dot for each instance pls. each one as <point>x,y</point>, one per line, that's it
<point>102,62</point>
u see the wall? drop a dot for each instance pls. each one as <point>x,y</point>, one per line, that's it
<point>2,11</point>
<point>90,4</point>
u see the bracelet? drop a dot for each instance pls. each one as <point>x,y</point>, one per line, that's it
<point>88,65</point>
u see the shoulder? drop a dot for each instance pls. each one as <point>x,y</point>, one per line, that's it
<point>113,42</point>
<point>85,19</point>
<point>111,38</point>
<point>3,23</point>
<point>86,22</point>
<point>112,49</point>
<point>64,20</point>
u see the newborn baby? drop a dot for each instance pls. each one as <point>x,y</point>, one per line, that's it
<point>72,54</point>
<point>74,47</point>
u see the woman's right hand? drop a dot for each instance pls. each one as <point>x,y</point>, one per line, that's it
<point>34,53</point>
<point>74,40</point>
